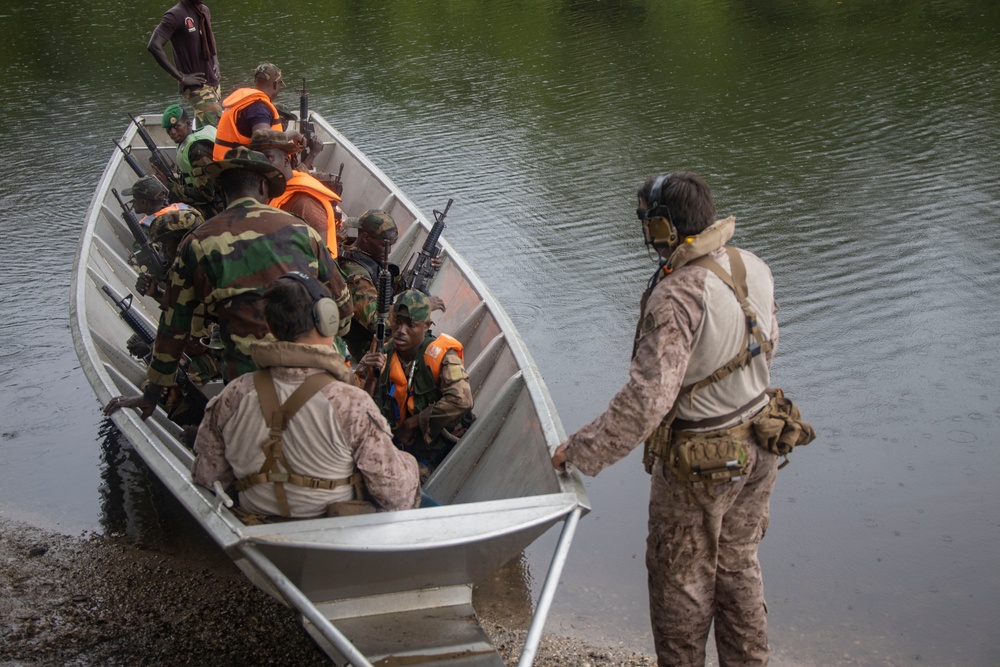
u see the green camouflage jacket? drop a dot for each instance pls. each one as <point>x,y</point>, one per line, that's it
<point>226,264</point>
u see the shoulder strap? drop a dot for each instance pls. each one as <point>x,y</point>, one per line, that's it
<point>276,417</point>
<point>756,343</point>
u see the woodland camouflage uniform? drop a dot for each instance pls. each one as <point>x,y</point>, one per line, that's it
<point>226,264</point>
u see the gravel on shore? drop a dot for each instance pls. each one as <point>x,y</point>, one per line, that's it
<point>96,600</point>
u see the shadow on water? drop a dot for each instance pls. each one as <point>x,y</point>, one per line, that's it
<point>136,505</point>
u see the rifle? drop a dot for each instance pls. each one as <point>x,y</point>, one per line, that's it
<point>147,255</point>
<point>384,305</point>
<point>188,389</point>
<point>423,272</point>
<point>306,127</point>
<point>337,184</point>
<point>130,160</point>
<point>160,160</point>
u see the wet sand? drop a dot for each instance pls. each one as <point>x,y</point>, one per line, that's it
<point>93,600</point>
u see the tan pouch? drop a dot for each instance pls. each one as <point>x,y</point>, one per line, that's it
<point>779,427</point>
<point>350,508</point>
<point>709,459</point>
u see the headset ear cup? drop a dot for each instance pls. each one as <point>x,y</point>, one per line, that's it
<point>661,232</point>
<point>326,316</point>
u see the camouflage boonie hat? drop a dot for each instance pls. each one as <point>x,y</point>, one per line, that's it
<point>377,223</point>
<point>268,72</point>
<point>263,139</point>
<point>242,157</point>
<point>180,222</point>
<point>148,188</point>
<point>417,304</point>
<point>172,115</point>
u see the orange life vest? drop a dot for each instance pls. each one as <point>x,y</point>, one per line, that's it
<point>433,356</point>
<point>303,182</point>
<point>226,135</point>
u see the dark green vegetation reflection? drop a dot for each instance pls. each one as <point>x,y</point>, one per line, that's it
<point>855,141</point>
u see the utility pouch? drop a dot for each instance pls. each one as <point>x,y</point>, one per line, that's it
<point>350,508</point>
<point>708,458</point>
<point>657,444</point>
<point>779,427</point>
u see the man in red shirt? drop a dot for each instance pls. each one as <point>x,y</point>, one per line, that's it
<point>188,27</point>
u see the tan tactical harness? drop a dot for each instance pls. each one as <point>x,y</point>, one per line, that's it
<point>275,469</point>
<point>659,442</point>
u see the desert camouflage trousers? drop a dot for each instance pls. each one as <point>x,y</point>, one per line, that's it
<point>701,557</point>
<point>207,104</point>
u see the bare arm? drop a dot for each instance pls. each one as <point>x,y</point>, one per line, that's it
<point>155,47</point>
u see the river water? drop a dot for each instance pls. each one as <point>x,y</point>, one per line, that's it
<point>856,142</point>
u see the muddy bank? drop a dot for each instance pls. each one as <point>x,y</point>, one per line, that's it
<point>95,600</point>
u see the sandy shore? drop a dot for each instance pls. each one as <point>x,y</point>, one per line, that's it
<point>95,600</point>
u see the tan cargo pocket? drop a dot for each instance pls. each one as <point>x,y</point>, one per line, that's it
<point>350,508</point>
<point>779,427</point>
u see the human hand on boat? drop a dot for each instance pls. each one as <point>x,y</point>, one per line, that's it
<point>140,403</point>
<point>559,458</point>
<point>437,303</point>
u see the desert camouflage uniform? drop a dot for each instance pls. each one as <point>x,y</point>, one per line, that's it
<point>339,430</point>
<point>702,544</point>
<point>226,264</point>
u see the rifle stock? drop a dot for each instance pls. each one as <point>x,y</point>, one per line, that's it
<point>423,271</point>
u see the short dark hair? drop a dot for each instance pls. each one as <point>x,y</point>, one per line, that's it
<point>288,309</point>
<point>685,199</point>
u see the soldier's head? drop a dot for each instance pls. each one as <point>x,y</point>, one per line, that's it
<point>278,147</point>
<point>300,309</point>
<point>672,207</point>
<point>374,229</point>
<point>246,173</point>
<point>148,195</point>
<point>411,320</point>
<point>176,122</point>
<point>267,79</point>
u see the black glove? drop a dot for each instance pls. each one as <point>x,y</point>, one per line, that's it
<point>143,284</point>
<point>136,347</point>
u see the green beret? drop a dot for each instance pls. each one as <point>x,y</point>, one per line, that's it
<point>172,115</point>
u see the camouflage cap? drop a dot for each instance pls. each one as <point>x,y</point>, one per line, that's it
<point>148,188</point>
<point>172,115</point>
<point>417,304</point>
<point>268,72</point>
<point>263,139</point>
<point>242,157</point>
<point>377,223</point>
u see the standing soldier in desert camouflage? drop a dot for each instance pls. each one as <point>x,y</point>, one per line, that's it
<point>226,264</point>
<point>700,368</point>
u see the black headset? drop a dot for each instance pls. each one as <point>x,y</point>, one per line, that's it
<point>326,315</point>
<point>662,233</point>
